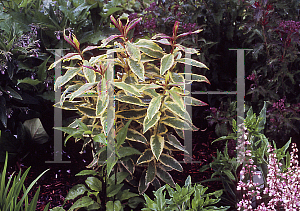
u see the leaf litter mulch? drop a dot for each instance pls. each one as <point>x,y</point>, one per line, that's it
<point>56,183</point>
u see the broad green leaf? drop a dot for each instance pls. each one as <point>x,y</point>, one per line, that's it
<point>143,186</point>
<point>137,67</point>
<point>151,92</point>
<point>130,100</point>
<point>193,101</point>
<point>146,157</point>
<point>128,88</point>
<point>133,51</point>
<point>121,136</point>
<point>162,129</point>
<point>149,44</point>
<point>176,123</point>
<point>87,111</point>
<point>37,131</point>
<point>87,172</point>
<point>165,176</point>
<point>113,189</point>
<point>82,89</point>
<point>30,81</point>
<point>176,98</point>
<point>152,53</point>
<point>126,194</point>
<point>149,123</point>
<point>190,77</point>
<point>157,145</point>
<point>192,62</point>
<point>151,172</point>
<point>127,151</point>
<point>154,106</point>
<point>111,162</point>
<point>42,70</point>
<point>100,138</point>
<point>82,202</point>
<point>170,162</point>
<point>134,135</point>
<point>175,143</point>
<point>175,109</point>
<point>132,113</point>
<point>11,92</point>
<point>94,184</point>
<point>89,74</point>
<point>114,205</point>
<point>180,133</point>
<point>167,62</point>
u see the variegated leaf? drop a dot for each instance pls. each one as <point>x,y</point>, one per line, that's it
<point>129,165</point>
<point>138,68</point>
<point>89,74</point>
<point>107,119</point>
<point>154,106</point>
<point>101,105</point>
<point>150,86</point>
<point>69,55</point>
<point>193,101</point>
<point>190,77</point>
<point>165,176</point>
<point>62,80</point>
<point>149,123</point>
<point>132,114</point>
<point>68,105</point>
<point>157,145</point>
<point>175,143</point>
<point>127,151</point>
<point>82,89</point>
<point>179,79</point>
<point>142,183</point>
<point>87,111</point>
<point>151,172</point>
<point>151,92</point>
<point>180,133</point>
<point>146,157</point>
<point>151,53</point>
<point>128,88</point>
<point>149,44</point>
<point>166,63</point>
<point>131,100</point>
<point>177,98</point>
<point>176,123</point>
<point>146,58</point>
<point>133,51</point>
<point>134,135</point>
<point>162,129</point>
<point>173,107</point>
<point>170,162</point>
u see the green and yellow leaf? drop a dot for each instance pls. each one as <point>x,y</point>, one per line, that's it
<point>146,157</point>
<point>165,176</point>
<point>149,123</point>
<point>193,101</point>
<point>82,89</point>
<point>175,109</point>
<point>137,67</point>
<point>133,51</point>
<point>167,61</point>
<point>154,106</point>
<point>170,162</point>
<point>131,100</point>
<point>132,113</point>
<point>177,99</point>
<point>62,80</point>
<point>190,77</point>
<point>157,145</point>
<point>151,172</point>
<point>175,143</point>
<point>128,88</point>
<point>89,74</point>
<point>134,135</point>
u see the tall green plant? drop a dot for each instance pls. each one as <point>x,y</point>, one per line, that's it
<point>150,99</point>
<point>10,192</point>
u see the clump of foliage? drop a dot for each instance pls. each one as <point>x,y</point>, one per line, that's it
<point>10,192</point>
<point>149,109</point>
<point>187,197</point>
